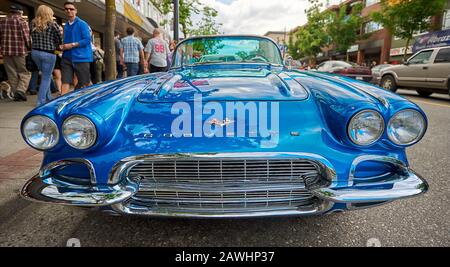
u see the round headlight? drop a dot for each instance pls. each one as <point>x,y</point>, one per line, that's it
<point>366,127</point>
<point>40,132</point>
<point>406,127</point>
<point>79,132</point>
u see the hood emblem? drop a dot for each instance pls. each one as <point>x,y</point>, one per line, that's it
<point>220,123</point>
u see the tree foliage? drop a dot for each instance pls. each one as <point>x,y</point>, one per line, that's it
<point>325,28</point>
<point>403,18</point>
<point>293,50</point>
<point>311,37</point>
<point>187,9</point>
<point>207,25</point>
<point>343,28</point>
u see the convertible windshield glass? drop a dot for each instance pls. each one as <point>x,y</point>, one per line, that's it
<point>227,50</point>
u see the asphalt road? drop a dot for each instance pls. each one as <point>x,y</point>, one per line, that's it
<point>421,221</point>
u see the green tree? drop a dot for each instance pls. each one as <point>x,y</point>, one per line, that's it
<point>403,18</point>
<point>187,9</point>
<point>208,24</point>
<point>292,47</point>
<point>313,36</point>
<point>343,28</point>
<point>110,48</point>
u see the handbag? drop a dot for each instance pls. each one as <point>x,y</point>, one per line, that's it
<point>30,64</point>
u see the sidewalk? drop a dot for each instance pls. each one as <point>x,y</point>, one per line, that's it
<point>16,157</point>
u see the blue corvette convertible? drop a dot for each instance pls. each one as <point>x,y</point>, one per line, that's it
<point>227,132</point>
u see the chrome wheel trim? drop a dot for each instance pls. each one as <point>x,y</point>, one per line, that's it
<point>387,84</point>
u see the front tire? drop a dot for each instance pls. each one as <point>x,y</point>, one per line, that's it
<point>388,83</point>
<point>424,93</point>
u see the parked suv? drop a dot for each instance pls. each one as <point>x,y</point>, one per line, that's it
<point>427,72</point>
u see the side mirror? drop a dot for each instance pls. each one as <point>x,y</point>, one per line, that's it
<point>406,62</point>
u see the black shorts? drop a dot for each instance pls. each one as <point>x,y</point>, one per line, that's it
<point>58,63</point>
<point>154,69</point>
<point>81,69</point>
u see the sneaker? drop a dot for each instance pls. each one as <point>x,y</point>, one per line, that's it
<point>20,96</point>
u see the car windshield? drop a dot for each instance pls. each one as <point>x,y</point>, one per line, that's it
<point>226,50</point>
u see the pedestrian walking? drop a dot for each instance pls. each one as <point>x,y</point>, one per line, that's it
<point>33,84</point>
<point>15,44</point>
<point>132,53</point>
<point>46,37</point>
<point>156,53</point>
<point>96,57</point>
<point>57,83</point>
<point>57,72</point>
<point>172,47</point>
<point>77,49</point>
<point>119,66</point>
<point>99,66</point>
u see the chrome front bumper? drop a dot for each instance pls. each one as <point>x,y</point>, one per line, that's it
<point>401,184</point>
<point>50,190</point>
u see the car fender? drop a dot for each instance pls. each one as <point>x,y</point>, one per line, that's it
<point>389,72</point>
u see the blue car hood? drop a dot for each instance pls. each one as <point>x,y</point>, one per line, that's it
<point>234,84</point>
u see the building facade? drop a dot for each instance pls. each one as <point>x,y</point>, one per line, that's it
<point>278,36</point>
<point>139,14</point>
<point>381,46</point>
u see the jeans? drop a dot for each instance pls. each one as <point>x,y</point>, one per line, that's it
<point>119,70</point>
<point>33,85</point>
<point>45,62</point>
<point>132,69</point>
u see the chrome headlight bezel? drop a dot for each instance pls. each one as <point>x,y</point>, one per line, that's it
<point>392,137</point>
<point>89,123</point>
<point>356,117</point>
<point>50,122</point>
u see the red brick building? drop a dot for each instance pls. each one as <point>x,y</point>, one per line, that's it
<point>381,46</point>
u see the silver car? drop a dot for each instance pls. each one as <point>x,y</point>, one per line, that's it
<point>427,72</point>
<point>376,73</point>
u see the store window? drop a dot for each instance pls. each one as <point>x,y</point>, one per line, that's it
<point>372,26</point>
<point>371,2</point>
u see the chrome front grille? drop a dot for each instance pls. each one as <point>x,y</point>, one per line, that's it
<point>221,186</point>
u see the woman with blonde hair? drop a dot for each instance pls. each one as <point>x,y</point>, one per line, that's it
<point>46,37</point>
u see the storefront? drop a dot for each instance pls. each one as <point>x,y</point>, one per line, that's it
<point>397,54</point>
<point>92,11</point>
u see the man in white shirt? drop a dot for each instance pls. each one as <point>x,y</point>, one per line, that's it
<point>156,53</point>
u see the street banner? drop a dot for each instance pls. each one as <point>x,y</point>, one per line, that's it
<point>430,40</point>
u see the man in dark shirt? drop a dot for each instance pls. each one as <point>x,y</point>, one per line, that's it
<point>15,43</point>
<point>119,66</point>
